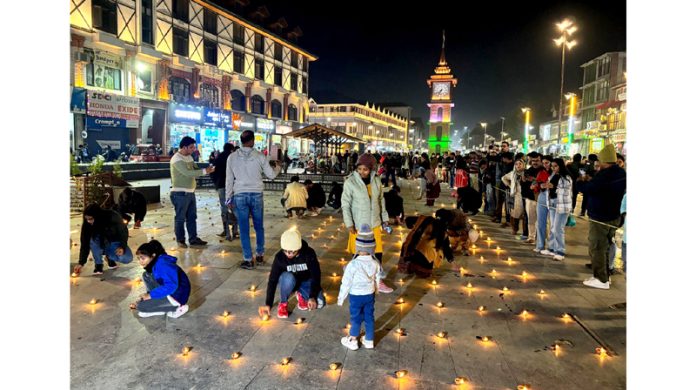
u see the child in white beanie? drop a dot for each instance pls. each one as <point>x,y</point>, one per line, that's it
<point>360,283</point>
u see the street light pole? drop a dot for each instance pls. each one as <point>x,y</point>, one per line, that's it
<point>484,124</point>
<point>527,112</point>
<point>567,28</point>
<point>502,130</point>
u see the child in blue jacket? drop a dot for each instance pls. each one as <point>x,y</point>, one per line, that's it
<point>168,287</point>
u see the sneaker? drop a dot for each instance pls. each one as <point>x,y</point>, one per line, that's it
<point>111,264</point>
<point>259,260</point>
<point>144,314</point>
<point>594,282</point>
<point>350,343</point>
<point>320,302</point>
<point>369,344</point>
<point>283,310</point>
<point>223,234</point>
<point>546,252</point>
<point>247,265</point>
<point>301,302</point>
<point>136,225</point>
<point>522,237</point>
<point>180,311</point>
<point>197,242</point>
<point>529,241</point>
<point>98,269</point>
<point>182,244</point>
<point>536,250</point>
<point>383,288</point>
<point>558,257</point>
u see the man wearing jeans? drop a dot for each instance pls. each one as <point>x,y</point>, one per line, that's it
<point>244,190</point>
<point>184,173</point>
<point>528,189</point>
<point>104,233</point>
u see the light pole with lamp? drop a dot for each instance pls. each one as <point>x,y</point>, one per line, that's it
<point>567,28</point>
<point>502,134</point>
<point>484,125</point>
<point>572,101</point>
<point>502,130</point>
<point>527,113</point>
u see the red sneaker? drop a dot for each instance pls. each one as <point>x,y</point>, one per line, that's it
<point>283,310</point>
<point>301,302</point>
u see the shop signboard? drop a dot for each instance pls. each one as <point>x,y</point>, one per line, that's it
<point>213,117</point>
<point>96,123</point>
<point>283,127</point>
<point>265,125</point>
<point>107,105</point>
<point>183,113</point>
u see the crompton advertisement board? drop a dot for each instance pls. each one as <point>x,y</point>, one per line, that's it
<point>107,105</point>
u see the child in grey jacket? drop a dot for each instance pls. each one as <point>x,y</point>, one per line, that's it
<point>360,283</point>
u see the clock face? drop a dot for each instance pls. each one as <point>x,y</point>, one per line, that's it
<point>441,90</point>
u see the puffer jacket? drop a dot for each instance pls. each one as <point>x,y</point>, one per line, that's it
<point>296,195</point>
<point>358,208</point>
<point>361,277</point>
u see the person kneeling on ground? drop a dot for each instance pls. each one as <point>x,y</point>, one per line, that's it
<point>425,246</point>
<point>468,200</point>
<point>317,198</point>
<point>359,284</point>
<point>168,287</point>
<point>297,270</point>
<point>335,195</point>
<point>104,233</point>
<point>394,205</point>
<point>131,201</point>
<point>295,198</point>
<point>459,229</point>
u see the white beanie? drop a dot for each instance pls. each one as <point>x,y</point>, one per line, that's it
<point>291,240</point>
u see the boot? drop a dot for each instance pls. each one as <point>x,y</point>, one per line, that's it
<point>226,229</point>
<point>235,231</point>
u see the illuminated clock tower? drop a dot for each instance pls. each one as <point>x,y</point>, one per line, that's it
<point>441,84</point>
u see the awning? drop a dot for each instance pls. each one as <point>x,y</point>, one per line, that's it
<point>608,104</point>
<point>322,134</point>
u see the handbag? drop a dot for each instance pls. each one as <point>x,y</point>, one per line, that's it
<point>571,221</point>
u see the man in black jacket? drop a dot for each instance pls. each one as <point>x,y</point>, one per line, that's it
<point>394,204</point>
<point>296,269</point>
<point>219,177</point>
<point>574,169</point>
<point>131,201</point>
<point>317,198</point>
<point>104,233</point>
<point>604,194</point>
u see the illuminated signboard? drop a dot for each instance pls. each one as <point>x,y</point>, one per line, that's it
<point>265,124</point>
<point>184,113</point>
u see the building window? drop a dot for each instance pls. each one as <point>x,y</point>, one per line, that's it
<point>439,114</point>
<point>209,94</point>
<point>257,105</point>
<point>209,21</point>
<point>238,34</point>
<point>293,81</point>
<point>238,100</point>
<point>604,66</point>
<point>276,109</point>
<point>180,42</point>
<point>603,91</point>
<point>292,112</point>
<point>210,52</point>
<point>305,64</point>
<point>278,76</point>
<point>147,35</point>
<point>104,15</point>
<point>102,76</point>
<point>180,10</point>
<point>258,43</point>
<point>590,73</point>
<point>143,78</point>
<point>293,59</point>
<point>179,89</point>
<point>438,132</point>
<point>278,52</point>
<point>258,69</point>
<point>238,62</point>
<point>304,88</point>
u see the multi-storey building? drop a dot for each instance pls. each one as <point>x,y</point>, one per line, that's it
<point>381,129</point>
<point>548,130</point>
<point>153,71</point>
<point>603,79</point>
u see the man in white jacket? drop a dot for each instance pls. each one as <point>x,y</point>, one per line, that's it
<point>360,283</point>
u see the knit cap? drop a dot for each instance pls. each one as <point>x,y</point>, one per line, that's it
<point>367,160</point>
<point>365,241</point>
<point>607,155</point>
<point>291,240</point>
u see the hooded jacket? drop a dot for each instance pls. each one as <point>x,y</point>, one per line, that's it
<point>359,208</point>
<point>361,277</point>
<point>108,227</point>
<point>317,197</point>
<point>219,176</point>
<point>244,172</point>
<point>604,193</point>
<point>304,266</point>
<point>171,278</point>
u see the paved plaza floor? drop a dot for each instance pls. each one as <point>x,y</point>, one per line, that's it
<point>112,348</point>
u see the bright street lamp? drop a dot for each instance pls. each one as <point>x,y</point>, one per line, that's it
<point>567,28</point>
<point>572,103</point>
<point>527,113</point>
<point>484,124</point>
<point>502,134</point>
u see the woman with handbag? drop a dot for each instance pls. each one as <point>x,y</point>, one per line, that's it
<point>513,180</point>
<point>560,203</point>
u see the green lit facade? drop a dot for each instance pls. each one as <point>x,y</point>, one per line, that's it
<point>441,84</point>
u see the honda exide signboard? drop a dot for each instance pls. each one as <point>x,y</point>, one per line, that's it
<point>107,105</point>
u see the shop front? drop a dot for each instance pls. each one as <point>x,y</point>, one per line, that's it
<point>153,123</point>
<point>212,133</point>
<point>78,109</point>
<point>240,122</point>
<point>110,120</point>
<point>184,120</point>
<point>264,129</point>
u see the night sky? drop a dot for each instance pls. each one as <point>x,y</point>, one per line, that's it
<point>502,53</point>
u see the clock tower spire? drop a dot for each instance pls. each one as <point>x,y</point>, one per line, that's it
<point>440,104</point>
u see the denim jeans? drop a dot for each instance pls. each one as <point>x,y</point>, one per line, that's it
<point>154,305</point>
<point>490,199</point>
<point>185,212</point>
<point>623,254</point>
<point>452,173</point>
<point>557,229</point>
<point>362,308</point>
<point>542,212</point>
<point>246,204</point>
<point>225,212</point>
<point>530,208</point>
<point>289,285</point>
<point>109,251</point>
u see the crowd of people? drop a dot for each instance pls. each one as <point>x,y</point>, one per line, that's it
<point>537,191</point>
